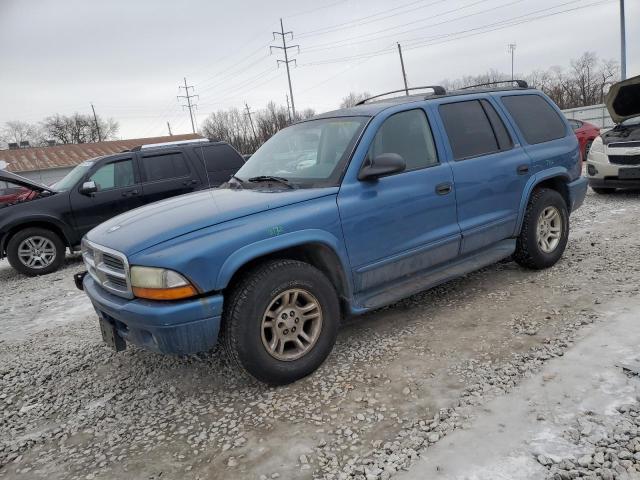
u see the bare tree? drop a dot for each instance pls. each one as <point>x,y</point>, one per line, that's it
<point>234,127</point>
<point>17,131</point>
<point>353,98</point>
<point>78,128</point>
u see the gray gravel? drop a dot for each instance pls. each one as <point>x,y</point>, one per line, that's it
<point>400,379</point>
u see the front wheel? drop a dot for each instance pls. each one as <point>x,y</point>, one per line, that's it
<point>281,321</point>
<point>36,251</point>
<point>545,230</point>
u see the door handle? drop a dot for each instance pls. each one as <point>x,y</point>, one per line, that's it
<point>130,193</point>
<point>190,182</point>
<point>523,169</point>
<point>443,188</point>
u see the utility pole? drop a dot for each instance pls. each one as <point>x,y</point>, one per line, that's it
<point>623,44</point>
<point>95,119</point>
<point>253,129</point>
<point>288,108</point>
<point>512,49</point>
<point>404,74</point>
<point>169,127</point>
<point>286,60</point>
<point>189,105</point>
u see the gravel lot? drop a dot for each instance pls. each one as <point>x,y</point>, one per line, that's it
<point>398,382</point>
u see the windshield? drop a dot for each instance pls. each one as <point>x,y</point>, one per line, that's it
<point>73,176</point>
<point>312,153</point>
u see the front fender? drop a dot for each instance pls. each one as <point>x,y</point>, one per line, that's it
<point>40,219</point>
<point>271,245</point>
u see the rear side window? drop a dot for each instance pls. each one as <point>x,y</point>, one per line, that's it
<point>220,158</point>
<point>468,128</point>
<point>535,118</point>
<point>162,167</point>
<point>407,134</point>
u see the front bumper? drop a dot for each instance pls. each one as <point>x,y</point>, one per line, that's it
<point>182,327</point>
<point>577,192</point>
<point>606,175</point>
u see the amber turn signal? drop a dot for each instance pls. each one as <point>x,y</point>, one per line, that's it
<point>175,293</point>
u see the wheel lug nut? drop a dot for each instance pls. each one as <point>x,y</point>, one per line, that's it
<point>284,316</point>
<point>297,320</point>
<point>286,331</point>
<point>293,329</point>
<point>292,313</point>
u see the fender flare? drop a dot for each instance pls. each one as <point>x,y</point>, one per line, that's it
<point>42,219</point>
<point>535,180</point>
<point>255,250</point>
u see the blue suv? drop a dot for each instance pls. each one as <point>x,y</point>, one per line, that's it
<point>338,215</point>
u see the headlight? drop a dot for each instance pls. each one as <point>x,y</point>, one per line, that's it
<point>597,146</point>
<point>160,284</point>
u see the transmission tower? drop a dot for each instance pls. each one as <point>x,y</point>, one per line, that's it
<point>285,49</point>
<point>191,106</point>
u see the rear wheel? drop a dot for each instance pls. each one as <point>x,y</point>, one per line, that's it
<point>545,230</point>
<point>36,251</point>
<point>281,321</point>
<point>603,190</point>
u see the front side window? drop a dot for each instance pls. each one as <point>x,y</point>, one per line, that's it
<point>407,134</point>
<point>535,118</point>
<point>114,175</point>
<point>469,129</point>
<point>307,154</point>
<point>162,167</point>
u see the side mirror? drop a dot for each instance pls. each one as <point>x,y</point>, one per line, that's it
<point>88,188</point>
<point>384,164</point>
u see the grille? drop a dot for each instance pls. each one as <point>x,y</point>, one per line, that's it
<point>624,159</point>
<point>108,268</point>
<point>624,144</point>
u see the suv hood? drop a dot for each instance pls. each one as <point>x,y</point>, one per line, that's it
<point>623,99</point>
<point>24,182</point>
<point>158,222</point>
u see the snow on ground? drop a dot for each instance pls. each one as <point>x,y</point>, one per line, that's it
<point>466,358</point>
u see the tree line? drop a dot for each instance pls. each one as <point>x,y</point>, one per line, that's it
<point>59,129</point>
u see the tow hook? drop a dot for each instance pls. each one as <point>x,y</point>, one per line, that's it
<point>78,278</point>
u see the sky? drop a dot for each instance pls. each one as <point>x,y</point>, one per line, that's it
<point>128,57</point>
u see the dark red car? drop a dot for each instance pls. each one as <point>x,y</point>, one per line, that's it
<point>586,133</point>
<point>11,193</point>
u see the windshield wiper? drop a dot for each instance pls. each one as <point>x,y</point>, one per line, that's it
<point>270,178</point>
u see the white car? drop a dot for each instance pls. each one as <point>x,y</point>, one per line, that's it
<point>614,157</point>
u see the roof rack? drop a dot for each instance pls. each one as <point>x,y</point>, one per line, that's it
<point>520,83</point>
<point>437,90</point>
<point>169,144</point>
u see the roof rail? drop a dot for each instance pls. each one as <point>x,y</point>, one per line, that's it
<point>520,83</point>
<point>169,144</point>
<point>437,90</point>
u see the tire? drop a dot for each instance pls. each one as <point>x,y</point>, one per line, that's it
<point>41,238</point>
<point>530,252</point>
<point>603,190</point>
<point>246,338</point>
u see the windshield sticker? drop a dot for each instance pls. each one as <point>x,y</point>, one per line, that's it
<point>277,230</point>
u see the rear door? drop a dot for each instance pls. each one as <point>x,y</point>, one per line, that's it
<point>118,183</point>
<point>166,174</point>
<point>220,160</point>
<point>490,171</point>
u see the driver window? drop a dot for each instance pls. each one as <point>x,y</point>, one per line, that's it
<point>407,134</point>
<point>114,175</point>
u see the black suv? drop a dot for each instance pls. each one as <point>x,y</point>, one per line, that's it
<point>39,222</point>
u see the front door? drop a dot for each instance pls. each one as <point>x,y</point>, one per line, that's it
<point>490,172</point>
<point>402,224</point>
<point>118,191</point>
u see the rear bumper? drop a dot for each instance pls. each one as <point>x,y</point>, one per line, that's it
<point>183,327</point>
<point>577,192</point>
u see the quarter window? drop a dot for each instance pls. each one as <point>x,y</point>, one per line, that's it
<point>469,129</point>
<point>407,134</point>
<point>535,118</point>
<point>114,175</point>
<point>162,167</point>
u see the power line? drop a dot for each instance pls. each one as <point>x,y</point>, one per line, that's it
<point>286,61</point>
<point>189,105</point>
